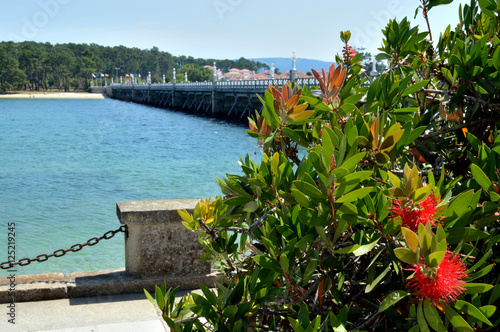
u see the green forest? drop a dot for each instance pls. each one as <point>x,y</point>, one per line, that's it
<point>33,66</point>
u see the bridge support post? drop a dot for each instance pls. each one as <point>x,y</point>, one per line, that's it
<point>156,242</point>
<point>214,88</point>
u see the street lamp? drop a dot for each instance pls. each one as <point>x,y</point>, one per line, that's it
<point>117,69</point>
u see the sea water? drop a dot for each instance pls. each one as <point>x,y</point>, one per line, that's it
<point>65,163</point>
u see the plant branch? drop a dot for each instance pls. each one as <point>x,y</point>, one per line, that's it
<point>367,322</point>
<point>466,97</point>
<point>397,65</point>
<point>211,232</point>
<point>424,11</point>
<point>447,130</point>
<point>310,290</point>
<point>257,223</point>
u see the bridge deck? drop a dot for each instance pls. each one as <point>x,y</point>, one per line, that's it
<point>232,100</point>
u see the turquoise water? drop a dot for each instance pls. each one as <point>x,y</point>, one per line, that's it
<point>65,164</point>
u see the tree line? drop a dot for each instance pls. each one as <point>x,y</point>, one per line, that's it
<point>36,66</point>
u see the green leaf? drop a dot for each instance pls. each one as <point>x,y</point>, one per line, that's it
<point>284,262</point>
<point>266,262</point>
<point>473,288</point>
<point>396,182</point>
<point>350,163</point>
<point>435,258</point>
<point>336,323</point>
<point>391,140</point>
<point>468,308</point>
<point>185,216</point>
<point>432,316</point>
<point>302,199</point>
<point>209,295</point>
<point>397,193</point>
<point>330,142</point>
<point>303,315</point>
<point>230,311</point>
<point>415,133</point>
<point>354,195</point>
<point>150,298</point>
<point>456,320</point>
<point>238,201</point>
<point>311,267</point>
<point>357,249</point>
<point>365,248</point>
<point>302,115</point>
<point>415,87</point>
<point>425,242</point>
<point>460,204</point>
<point>411,239</point>
<point>160,299</point>
<point>481,178</point>
<point>382,157</point>
<point>421,319</point>
<point>488,310</point>
<point>350,181</point>
<point>406,255</point>
<point>369,287</point>
<point>480,262</point>
<point>496,59</point>
<point>308,189</point>
<point>295,325</point>
<point>481,273</point>
<point>420,194</point>
<point>392,299</point>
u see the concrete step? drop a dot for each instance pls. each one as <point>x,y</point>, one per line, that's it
<point>129,312</point>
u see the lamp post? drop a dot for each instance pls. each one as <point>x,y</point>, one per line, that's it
<point>117,69</point>
<point>294,70</point>
<point>374,72</point>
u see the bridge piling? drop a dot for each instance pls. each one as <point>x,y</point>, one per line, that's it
<point>232,101</point>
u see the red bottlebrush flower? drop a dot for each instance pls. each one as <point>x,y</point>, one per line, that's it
<point>414,214</point>
<point>444,282</point>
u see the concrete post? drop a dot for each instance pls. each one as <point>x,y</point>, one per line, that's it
<point>173,88</point>
<point>156,243</point>
<point>214,88</point>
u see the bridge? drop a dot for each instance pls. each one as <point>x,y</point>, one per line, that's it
<point>230,100</point>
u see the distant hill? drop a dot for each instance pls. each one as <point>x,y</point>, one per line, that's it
<point>303,65</point>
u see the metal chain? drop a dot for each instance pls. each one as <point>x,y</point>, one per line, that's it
<point>61,252</point>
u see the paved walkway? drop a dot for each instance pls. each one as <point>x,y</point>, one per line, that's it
<point>111,313</point>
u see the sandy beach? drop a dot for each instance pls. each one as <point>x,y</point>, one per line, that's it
<point>54,95</point>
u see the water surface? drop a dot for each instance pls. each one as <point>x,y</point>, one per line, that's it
<point>65,164</point>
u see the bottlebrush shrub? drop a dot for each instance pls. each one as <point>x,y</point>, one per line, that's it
<point>375,206</point>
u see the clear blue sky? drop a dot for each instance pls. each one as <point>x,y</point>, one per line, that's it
<point>215,28</point>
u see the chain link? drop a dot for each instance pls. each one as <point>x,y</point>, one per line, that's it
<point>61,252</point>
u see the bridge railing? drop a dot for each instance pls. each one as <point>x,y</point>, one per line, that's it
<point>221,85</point>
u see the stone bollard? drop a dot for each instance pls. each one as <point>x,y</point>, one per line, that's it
<point>156,242</point>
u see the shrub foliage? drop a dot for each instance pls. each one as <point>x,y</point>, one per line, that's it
<point>376,203</point>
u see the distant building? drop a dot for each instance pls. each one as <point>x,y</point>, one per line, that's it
<point>236,74</point>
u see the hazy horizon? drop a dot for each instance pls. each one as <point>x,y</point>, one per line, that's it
<point>219,29</point>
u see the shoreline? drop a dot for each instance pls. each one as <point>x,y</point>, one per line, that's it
<point>54,95</point>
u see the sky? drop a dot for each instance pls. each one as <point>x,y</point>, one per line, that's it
<point>219,29</point>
